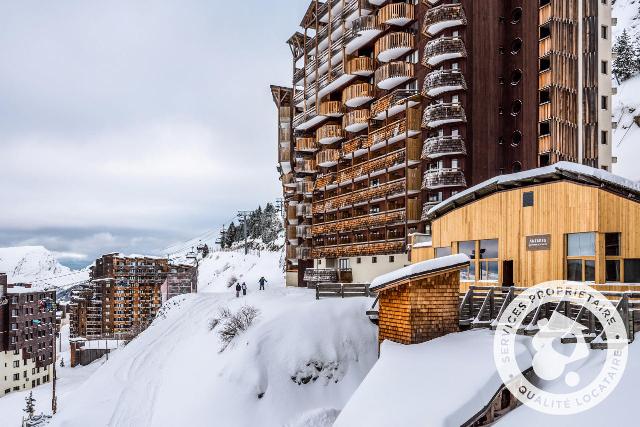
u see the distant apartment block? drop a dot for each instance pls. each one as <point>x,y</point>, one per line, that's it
<point>27,336</point>
<point>394,106</point>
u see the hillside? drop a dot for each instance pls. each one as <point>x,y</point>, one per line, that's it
<point>296,365</point>
<point>38,266</point>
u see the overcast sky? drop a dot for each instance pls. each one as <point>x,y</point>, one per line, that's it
<point>133,124</point>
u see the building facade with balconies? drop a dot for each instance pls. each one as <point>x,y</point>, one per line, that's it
<point>397,105</point>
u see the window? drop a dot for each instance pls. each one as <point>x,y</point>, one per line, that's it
<point>604,32</point>
<point>392,259</point>
<point>632,270</point>
<point>16,363</point>
<point>489,260</point>
<point>612,244</point>
<point>343,263</point>
<point>604,103</point>
<point>16,377</point>
<point>358,260</point>
<point>604,137</point>
<point>581,252</point>
<point>442,252</point>
<point>374,260</point>
<point>604,67</point>
<point>527,199</point>
<point>468,248</point>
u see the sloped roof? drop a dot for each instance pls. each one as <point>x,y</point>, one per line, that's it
<point>560,171</point>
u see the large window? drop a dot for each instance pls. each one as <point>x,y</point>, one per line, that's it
<point>632,270</point>
<point>581,253</point>
<point>484,260</point>
<point>468,248</point>
<point>613,262</point>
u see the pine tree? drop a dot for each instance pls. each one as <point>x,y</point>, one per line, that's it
<point>30,409</point>
<point>624,65</point>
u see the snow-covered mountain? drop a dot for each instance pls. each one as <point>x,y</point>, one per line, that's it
<point>38,266</point>
<point>626,104</point>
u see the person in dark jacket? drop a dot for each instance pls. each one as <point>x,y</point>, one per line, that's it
<point>244,289</point>
<point>262,282</point>
<point>238,289</point>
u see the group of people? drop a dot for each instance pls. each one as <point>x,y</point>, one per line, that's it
<point>243,287</point>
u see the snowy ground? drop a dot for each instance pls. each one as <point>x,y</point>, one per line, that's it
<point>297,365</point>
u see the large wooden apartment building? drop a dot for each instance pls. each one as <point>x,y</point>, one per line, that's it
<point>27,336</point>
<point>124,295</point>
<point>396,106</point>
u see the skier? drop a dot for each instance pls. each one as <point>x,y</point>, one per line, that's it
<point>262,282</point>
<point>244,289</point>
<point>238,288</point>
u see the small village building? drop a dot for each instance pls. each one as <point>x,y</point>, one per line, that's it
<point>420,302</point>
<point>565,221</point>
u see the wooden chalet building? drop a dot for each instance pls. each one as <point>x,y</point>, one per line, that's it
<point>395,106</point>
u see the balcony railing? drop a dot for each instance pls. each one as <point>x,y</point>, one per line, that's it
<point>544,79</point>
<point>440,114</point>
<point>307,144</point>
<point>360,223</point>
<point>328,157</point>
<point>304,187</point>
<point>365,23</point>
<point>409,126</point>
<point>438,19</point>
<point>306,166</point>
<point>441,178</point>
<point>363,249</point>
<point>545,14</point>
<point>371,166</point>
<point>326,180</point>
<point>443,81</point>
<point>393,74</point>
<point>441,146</point>
<point>331,109</point>
<point>545,46</point>
<point>329,134</point>
<point>353,145</point>
<point>357,94</point>
<point>284,155</point>
<point>303,252</point>
<point>389,189</point>
<point>544,112</point>
<point>292,254</point>
<point>394,103</point>
<point>443,49</point>
<point>399,14</point>
<point>356,120</point>
<point>414,211</point>
<point>304,210</point>
<point>360,66</point>
<point>292,215</point>
<point>394,45</point>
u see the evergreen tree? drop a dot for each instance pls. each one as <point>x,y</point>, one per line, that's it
<point>625,63</point>
<point>30,409</point>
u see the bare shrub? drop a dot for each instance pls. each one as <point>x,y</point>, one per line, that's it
<point>232,281</point>
<point>233,325</point>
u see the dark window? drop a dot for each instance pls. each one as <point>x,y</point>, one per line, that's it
<point>516,139</point>
<point>527,199</point>
<point>374,260</point>
<point>488,249</point>
<point>516,167</point>
<point>358,260</point>
<point>392,258</point>
<point>516,107</point>
<point>590,270</point>
<point>632,270</point>
<point>516,15</point>
<point>574,270</point>
<point>612,244</point>
<point>516,77</point>
<point>468,248</point>
<point>516,45</point>
<point>613,270</point>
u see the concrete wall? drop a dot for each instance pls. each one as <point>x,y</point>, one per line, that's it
<point>366,270</point>
<point>25,382</point>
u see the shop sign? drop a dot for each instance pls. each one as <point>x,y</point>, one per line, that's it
<point>539,243</point>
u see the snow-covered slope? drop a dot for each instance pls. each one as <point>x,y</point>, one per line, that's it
<point>626,104</point>
<point>297,365</point>
<point>38,266</point>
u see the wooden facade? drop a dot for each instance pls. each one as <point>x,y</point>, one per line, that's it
<point>550,211</point>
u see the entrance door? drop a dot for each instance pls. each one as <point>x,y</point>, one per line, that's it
<point>507,273</point>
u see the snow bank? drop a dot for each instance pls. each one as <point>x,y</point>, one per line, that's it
<point>443,382</point>
<point>419,268</point>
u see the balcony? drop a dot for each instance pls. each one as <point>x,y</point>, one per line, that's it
<point>360,223</point>
<point>331,109</point>
<point>363,30</point>
<point>443,178</point>
<point>284,155</point>
<point>360,249</point>
<point>545,47</point>
<point>399,14</point>
<point>372,167</point>
<point>390,189</point>
<point>545,14</point>
<point>292,216</point>
<point>307,119</point>
<point>394,103</point>
<point>326,182</point>
<point>394,45</point>
<point>396,131</point>
<point>544,144</point>
<point>304,210</point>
<point>394,74</point>
<point>305,166</point>
<point>360,66</point>
<point>414,211</point>
<point>292,234</point>
<point>544,79</point>
<point>329,134</point>
<point>292,254</point>
<point>441,146</point>
<point>443,49</point>
<point>544,112</point>
<point>356,120</point>
<point>443,81</point>
<point>438,19</point>
<point>354,147</point>
<point>303,252</point>
<point>442,114</point>
<point>304,187</point>
<point>357,94</point>
<point>307,145</point>
<point>328,158</point>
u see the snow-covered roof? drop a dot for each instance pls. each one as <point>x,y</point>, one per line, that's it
<point>562,170</point>
<point>419,269</point>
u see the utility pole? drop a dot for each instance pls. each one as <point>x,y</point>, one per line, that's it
<point>280,206</point>
<point>243,217</point>
<point>223,237</point>
<point>54,399</point>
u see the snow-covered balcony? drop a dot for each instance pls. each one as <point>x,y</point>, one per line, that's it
<point>331,109</point>
<point>442,114</point>
<point>304,187</point>
<point>440,146</point>
<point>357,94</point>
<point>363,30</point>
<point>329,134</point>
<point>292,254</point>
<point>288,180</point>
<point>394,103</point>
<point>308,119</point>
<point>443,178</point>
<point>443,81</point>
<point>326,182</point>
<point>306,166</point>
<point>307,145</point>
<point>394,74</point>
<point>354,147</point>
<point>360,66</point>
<point>303,210</point>
<point>443,49</point>
<point>395,132</point>
<point>328,158</point>
<point>440,18</point>
<point>292,234</point>
<point>356,120</point>
<point>399,14</point>
<point>394,45</point>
